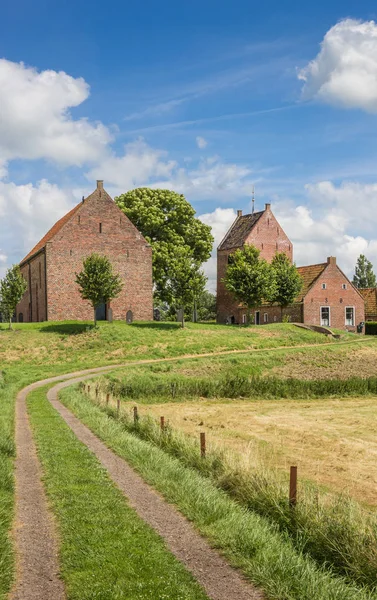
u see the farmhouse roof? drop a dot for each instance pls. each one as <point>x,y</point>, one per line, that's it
<point>238,233</point>
<point>59,224</point>
<point>309,275</point>
<point>370,298</point>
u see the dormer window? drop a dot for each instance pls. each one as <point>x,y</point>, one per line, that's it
<point>324,286</point>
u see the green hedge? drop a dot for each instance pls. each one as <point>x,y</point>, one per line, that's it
<point>371,328</point>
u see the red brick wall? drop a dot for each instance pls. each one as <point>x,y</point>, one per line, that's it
<point>119,240</point>
<point>335,297</point>
<point>33,304</point>
<point>269,238</point>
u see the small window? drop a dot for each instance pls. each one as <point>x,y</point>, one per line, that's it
<point>71,252</point>
<point>325,316</point>
<point>344,286</point>
<point>262,245</point>
<point>78,219</point>
<point>265,317</point>
<point>100,227</point>
<point>350,316</point>
<point>324,286</point>
<point>244,319</point>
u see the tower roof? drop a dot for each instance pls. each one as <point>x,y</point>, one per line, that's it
<point>238,233</point>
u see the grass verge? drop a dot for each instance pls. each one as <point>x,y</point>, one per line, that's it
<point>7,453</point>
<point>249,541</point>
<point>106,550</point>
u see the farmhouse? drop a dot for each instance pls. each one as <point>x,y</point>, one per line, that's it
<point>96,224</point>
<point>327,298</point>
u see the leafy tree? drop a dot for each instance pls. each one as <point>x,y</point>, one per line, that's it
<point>167,221</point>
<point>206,306</point>
<point>12,288</point>
<point>185,279</point>
<point>97,281</point>
<point>288,282</point>
<point>249,278</point>
<point>364,276</point>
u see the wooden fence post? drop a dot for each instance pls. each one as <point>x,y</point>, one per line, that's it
<point>293,487</point>
<point>97,391</point>
<point>162,423</point>
<point>202,444</point>
<point>107,399</point>
<point>88,389</point>
<point>136,415</point>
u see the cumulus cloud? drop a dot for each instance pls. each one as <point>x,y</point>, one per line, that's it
<point>344,73</point>
<point>36,121</point>
<point>336,220</point>
<point>26,213</point>
<point>220,220</point>
<point>201,142</point>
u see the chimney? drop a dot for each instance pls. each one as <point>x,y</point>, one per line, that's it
<point>239,213</point>
<point>331,260</point>
<point>267,206</point>
<point>99,184</point>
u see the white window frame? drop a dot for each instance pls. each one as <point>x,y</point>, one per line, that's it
<point>320,315</point>
<point>244,318</point>
<point>265,317</point>
<point>344,287</point>
<point>345,316</point>
<point>324,286</point>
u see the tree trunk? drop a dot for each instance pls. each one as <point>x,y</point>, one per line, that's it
<point>10,323</point>
<point>95,317</point>
<point>183,317</point>
<point>195,315</point>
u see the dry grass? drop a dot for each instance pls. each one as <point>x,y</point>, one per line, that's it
<point>333,442</point>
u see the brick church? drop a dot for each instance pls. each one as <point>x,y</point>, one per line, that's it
<point>327,299</point>
<point>95,225</point>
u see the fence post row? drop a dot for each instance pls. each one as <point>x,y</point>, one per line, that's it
<point>293,487</point>
<point>202,444</point>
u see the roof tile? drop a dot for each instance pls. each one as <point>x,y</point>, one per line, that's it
<point>236,236</point>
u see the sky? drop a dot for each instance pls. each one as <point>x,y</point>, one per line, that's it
<point>207,98</point>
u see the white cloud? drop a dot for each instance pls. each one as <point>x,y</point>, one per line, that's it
<point>201,142</point>
<point>338,220</point>
<point>27,212</point>
<point>344,73</point>
<point>35,119</point>
<point>220,220</point>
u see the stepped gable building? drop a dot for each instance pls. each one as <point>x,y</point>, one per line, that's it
<point>370,298</point>
<point>327,298</point>
<point>94,225</point>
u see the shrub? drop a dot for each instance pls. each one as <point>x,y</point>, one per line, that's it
<point>371,328</point>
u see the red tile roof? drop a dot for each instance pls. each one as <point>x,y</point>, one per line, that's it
<point>370,297</point>
<point>51,233</point>
<point>309,274</point>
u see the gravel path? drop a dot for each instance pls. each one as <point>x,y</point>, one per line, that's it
<point>37,568</point>
<point>220,581</point>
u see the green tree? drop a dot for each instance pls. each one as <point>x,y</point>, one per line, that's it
<point>364,276</point>
<point>97,281</point>
<point>206,306</point>
<point>288,282</point>
<point>167,221</point>
<point>185,280</point>
<point>249,278</point>
<point>12,289</point>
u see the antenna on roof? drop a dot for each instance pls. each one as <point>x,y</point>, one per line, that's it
<point>252,200</point>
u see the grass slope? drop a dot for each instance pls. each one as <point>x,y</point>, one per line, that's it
<point>106,550</point>
<point>249,541</point>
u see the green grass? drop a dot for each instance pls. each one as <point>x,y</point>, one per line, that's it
<point>106,550</point>
<point>332,529</point>
<point>267,556</point>
<point>38,350</point>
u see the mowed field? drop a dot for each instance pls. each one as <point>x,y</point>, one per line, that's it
<point>332,440</point>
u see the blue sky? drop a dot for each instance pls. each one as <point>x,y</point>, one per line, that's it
<point>209,98</point>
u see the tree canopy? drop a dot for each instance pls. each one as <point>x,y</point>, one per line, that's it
<point>12,289</point>
<point>167,221</point>
<point>288,282</point>
<point>364,276</point>
<point>97,281</point>
<point>249,277</point>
